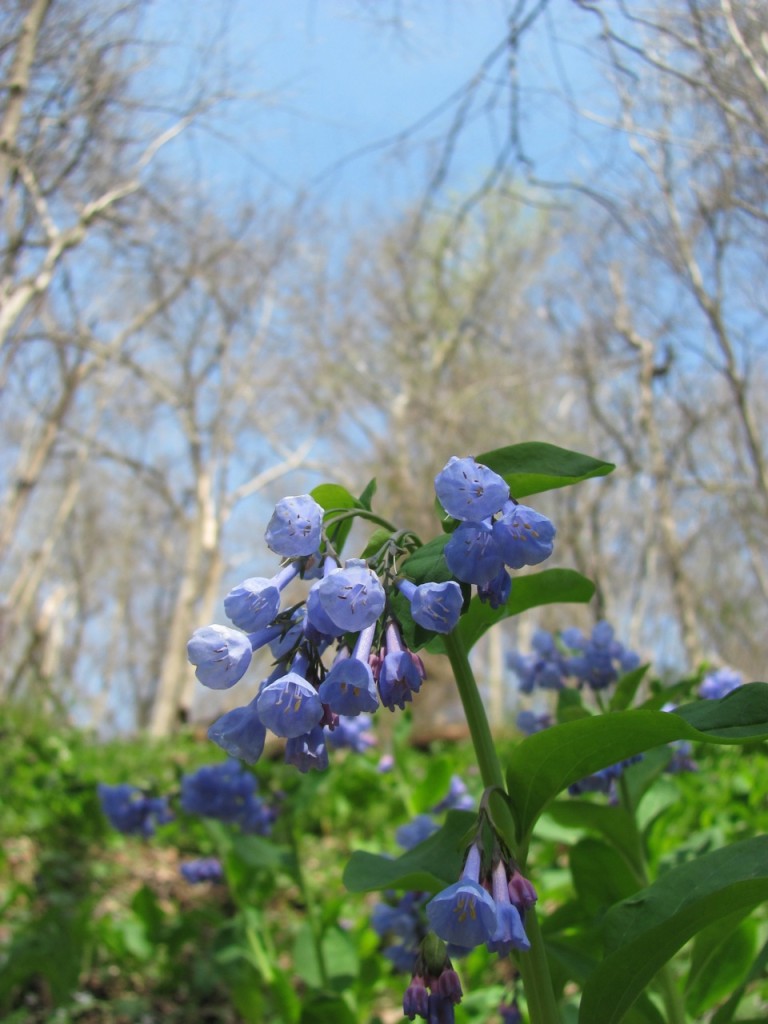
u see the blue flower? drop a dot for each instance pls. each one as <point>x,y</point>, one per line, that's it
<point>352,597</point>
<point>435,606</point>
<point>458,798</point>
<point>290,705</point>
<point>415,831</point>
<point>509,933</point>
<point>719,683</point>
<point>203,869</point>
<point>468,490</point>
<point>131,811</point>
<point>472,553</point>
<point>221,655</point>
<point>496,591</point>
<point>349,688</point>
<point>308,752</point>
<point>255,603</point>
<point>400,672</point>
<point>296,526</point>
<point>352,733</point>
<point>224,791</point>
<point>240,732</point>
<point>523,535</point>
<point>464,914</point>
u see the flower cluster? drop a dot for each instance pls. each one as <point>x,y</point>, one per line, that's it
<point>348,617</point>
<point>202,869</point>
<point>226,792</point>
<point>129,810</point>
<point>495,532</point>
<point>435,988</point>
<point>486,905</point>
<point>596,661</point>
<point>720,682</point>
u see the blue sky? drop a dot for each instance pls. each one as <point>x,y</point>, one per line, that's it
<point>325,80</point>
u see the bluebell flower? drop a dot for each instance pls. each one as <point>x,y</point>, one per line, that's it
<point>131,811</point>
<point>202,869</point>
<point>289,634</point>
<point>255,603</point>
<point>400,673</point>
<point>472,553</point>
<point>464,914</point>
<point>509,933</point>
<point>523,535</point>
<point>416,999</point>
<point>349,688</point>
<point>415,831</point>
<point>435,606</point>
<point>308,752</point>
<point>546,667</point>
<point>223,791</point>
<point>719,683</point>
<point>467,490</point>
<point>352,597</point>
<point>221,655</point>
<point>295,528</point>
<point>496,591</point>
<point>603,780</point>
<point>529,721</point>
<point>240,732</point>
<point>601,658</point>
<point>352,733</point>
<point>290,706</point>
<point>403,921</point>
<point>458,798</point>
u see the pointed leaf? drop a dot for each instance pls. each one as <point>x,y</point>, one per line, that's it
<point>643,932</point>
<point>428,867</point>
<point>533,467</point>
<point>543,765</point>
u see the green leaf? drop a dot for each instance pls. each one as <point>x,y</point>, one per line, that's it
<point>643,932</point>
<point>428,564</point>
<point>600,874</point>
<point>552,586</point>
<point>321,1007</point>
<point>724,1015</point>
<point>626,688</point>
<point>334,498</point>
<point>534,466</point>
<point>614,823</point>
<point>544,764</point>
<point>366,497</point>
<point>339,956</point>
<point>721,958</point>
<point>428,867</point>
<point>376,541</point>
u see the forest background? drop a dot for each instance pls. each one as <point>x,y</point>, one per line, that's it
<point>222,280</point>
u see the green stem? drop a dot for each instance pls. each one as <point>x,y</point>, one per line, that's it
<point>533,965</point>
<point>315,928</point>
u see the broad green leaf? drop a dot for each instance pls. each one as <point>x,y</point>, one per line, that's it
<point>570,706</point>
<point>339,954</point>
<point>724,1014</point>
<point>643,932</point>
<point>552,586</point>
<point>366,497</point>
<point>720,961</point>
<point>543,765</point>
<point>533,467</point>
<point>321,1007</point>
<point>428,867</point>
<point>376,541</point>
<point>428,563</point>
<point>614,823</point>
<point>601,876</point>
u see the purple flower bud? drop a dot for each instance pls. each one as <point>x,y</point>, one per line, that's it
<point>221,656</point>
<point>416,999</point>
<point>295,527</point>
<point>472,553</point>
<point>468,490</point>
<point>523,535</point>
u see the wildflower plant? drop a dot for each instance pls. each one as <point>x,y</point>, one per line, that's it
<point>351,647</point>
